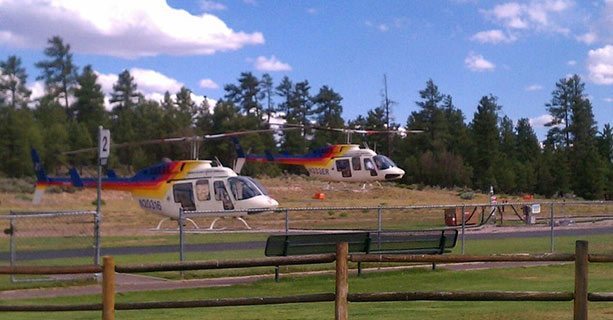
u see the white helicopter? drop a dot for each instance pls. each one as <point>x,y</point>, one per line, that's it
<point>338,162</point>
<point>167,187</point>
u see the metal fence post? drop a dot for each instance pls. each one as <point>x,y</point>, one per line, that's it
<point>108,288</point>
<point>181,238</point>
<point>342,282</point>
<point>181,235</point>
<point>551,240</point>
<point>581,280</point>
<point>286,221</point>
<point>13,254</point>
<point>379,226</point>
<point>97,237</point>
<point>463,227</point>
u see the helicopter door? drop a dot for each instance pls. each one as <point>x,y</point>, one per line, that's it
<point>184,194</point>
<point>342,165</point>
<point>370,166</point>
<point>221,194</point>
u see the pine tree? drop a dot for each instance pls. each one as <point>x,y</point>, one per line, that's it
<point>124,122</point>
<point>506,175</point>
<point>567,92</point>
<point>587,163</point>
<point>59,72</point>
<point>186,108</point>
<point>285,91</point>
<point>486,154</point>
<point>328,110</point>
<point>13,79</point>
<point>88,108</point>
<point>18,133</point>
<point>246,94</point>
<point>125,93</point>
<point>52,117</point>
<point>266,94</point>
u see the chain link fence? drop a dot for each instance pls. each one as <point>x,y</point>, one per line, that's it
<point>547,216</point>
<point>60,238</point>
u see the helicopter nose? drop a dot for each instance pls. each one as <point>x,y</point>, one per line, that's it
<point>394,174</point>
<point>272,202</point>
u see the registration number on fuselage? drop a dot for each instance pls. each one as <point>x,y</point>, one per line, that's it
<point>319,171</point>
<point>149,204</point>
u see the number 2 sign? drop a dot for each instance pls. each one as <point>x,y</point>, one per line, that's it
<point>104,144</point>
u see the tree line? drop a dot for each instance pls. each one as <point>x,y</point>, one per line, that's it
<point>490,150</point>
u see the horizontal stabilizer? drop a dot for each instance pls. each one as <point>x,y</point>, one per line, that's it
<point>269,155</point>
<point>238,148</point>
<point>41,176</point>
<point>75,178</point>
<point>111,174</point>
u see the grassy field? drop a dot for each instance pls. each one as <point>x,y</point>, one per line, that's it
<point>124,224</point>
<point>550,278</point>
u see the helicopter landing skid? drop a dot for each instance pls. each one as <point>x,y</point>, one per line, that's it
<point>167,218</point>
<point>212,227</point>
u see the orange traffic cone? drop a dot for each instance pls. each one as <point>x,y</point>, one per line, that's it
<point>319,196</point>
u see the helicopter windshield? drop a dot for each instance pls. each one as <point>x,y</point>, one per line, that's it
<point>383,162</point>
<point>245,188</point>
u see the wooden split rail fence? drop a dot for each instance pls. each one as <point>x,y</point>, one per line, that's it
<point>341,297</point>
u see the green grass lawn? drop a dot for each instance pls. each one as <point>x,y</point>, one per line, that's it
<point>550,278</point>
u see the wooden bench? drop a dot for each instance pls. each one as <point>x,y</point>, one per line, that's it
<point>314,243</point>
<point>413,242</point>
<point>384,242</point>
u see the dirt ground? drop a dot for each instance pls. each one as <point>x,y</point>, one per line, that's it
<point>123,216</point>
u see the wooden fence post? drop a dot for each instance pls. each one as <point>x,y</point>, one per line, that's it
<point>108,288</point>
<point>342,283</point>
<point>581,279</point>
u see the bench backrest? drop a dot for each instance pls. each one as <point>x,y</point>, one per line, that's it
<point>420,241</point>
<point>302,244</point>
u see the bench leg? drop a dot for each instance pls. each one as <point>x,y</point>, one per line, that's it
<point>433,265</point>
<point>276,273</point>
<point>359,268</point>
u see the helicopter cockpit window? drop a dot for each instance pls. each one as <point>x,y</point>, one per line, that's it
<point>243,188</point>
<point>184,194</point>
<point>203,193</point>
<point>355,163</point>
<point>368,165</point>
<point>342,165</point>
<point>383,162</point>
<point>221,194</point>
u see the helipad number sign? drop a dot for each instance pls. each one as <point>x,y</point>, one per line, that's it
<point>104,144</point>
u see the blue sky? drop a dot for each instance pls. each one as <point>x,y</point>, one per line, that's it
<point>515,50</point>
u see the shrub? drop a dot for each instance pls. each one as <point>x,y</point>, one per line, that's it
<point>15,185</point>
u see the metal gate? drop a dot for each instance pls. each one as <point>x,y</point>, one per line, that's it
<point>55,238</point>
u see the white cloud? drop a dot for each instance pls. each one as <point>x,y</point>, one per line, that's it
<point>587,38</point>
<point>152,84</point>
<point>608,99</point>
<point>571,62</point>
<point>208,84</point>
<point>311,11</point>
<point>209,5</point>
<point>271,64</point>
<point>38,89</point>
<point>493,36</point>
<point>535,15</point>
<point>540,121</point>
<point>150,81</point>
<point>118,28</point>
<point>600,65</point>
<point>534,87</point>
<point>476,62</point>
